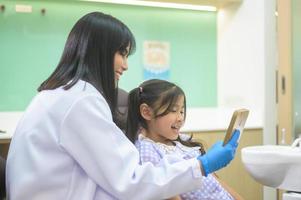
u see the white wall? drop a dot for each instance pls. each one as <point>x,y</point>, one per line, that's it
<point>270,107</point>
<point>247,63</point>
<point>241,55</point>
<point>247,59</point>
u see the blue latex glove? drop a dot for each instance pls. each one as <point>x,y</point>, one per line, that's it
<point>219,156</point>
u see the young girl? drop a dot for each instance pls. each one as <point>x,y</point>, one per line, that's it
<point>157,111</point>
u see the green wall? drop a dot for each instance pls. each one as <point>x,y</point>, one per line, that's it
<point>296,35</point>
<point>31,45</point>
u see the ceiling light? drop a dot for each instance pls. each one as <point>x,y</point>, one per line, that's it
<point>158,4</point>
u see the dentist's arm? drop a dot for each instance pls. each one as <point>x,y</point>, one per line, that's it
<point>102,151</point>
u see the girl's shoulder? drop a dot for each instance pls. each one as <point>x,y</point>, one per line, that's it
<point>148,150</point>
<point>145,144</point>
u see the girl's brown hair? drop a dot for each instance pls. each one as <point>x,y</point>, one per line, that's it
<point>161,96</point>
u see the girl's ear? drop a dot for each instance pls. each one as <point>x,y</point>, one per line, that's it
<point>146,111</point>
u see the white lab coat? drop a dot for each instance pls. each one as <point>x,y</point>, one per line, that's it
<point>66,147</point>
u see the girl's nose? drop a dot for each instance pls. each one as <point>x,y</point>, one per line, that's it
<point>181,117</point>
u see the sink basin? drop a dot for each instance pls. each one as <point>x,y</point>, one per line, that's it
<point>275,166</point>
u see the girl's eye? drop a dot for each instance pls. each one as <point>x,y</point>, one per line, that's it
<point>173,110</point>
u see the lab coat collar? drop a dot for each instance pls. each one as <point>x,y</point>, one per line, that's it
<point>85,86</point>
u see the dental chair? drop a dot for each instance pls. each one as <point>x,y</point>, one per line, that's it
<point>122,106</point>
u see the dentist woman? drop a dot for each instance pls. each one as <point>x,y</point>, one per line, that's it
<point>67,145</point>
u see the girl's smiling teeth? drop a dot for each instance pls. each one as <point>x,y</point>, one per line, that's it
<point>175,127</point>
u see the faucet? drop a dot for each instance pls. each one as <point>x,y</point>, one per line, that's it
<point>297,142</point>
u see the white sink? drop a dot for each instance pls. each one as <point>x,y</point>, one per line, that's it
<point>275,166</point>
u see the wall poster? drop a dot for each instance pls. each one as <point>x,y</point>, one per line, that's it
<point>156,60</point>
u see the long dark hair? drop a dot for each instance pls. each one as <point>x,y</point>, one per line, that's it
<point>161,96</point>
<point>89,55</point>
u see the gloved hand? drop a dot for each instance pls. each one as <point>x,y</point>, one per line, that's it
<point>219,156</point>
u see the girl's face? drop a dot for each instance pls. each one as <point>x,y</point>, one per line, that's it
<point>166,128</point>
<point>120,63</point>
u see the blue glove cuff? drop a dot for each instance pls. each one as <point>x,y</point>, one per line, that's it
<point>204,163</point>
